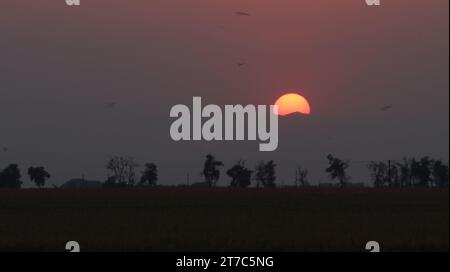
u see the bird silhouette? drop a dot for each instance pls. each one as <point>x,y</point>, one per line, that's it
<point>242,13</point>
<point>110,105</point>
<point>386,108</point>
<point>240,64</point>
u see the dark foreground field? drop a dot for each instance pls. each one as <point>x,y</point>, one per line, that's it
<point>223,220</point>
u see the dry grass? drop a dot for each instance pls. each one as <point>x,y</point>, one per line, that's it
<point>224,219</point>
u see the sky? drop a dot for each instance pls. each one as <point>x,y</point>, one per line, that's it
<point>60,66</point>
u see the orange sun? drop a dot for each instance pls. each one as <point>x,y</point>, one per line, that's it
<point>291,103</point>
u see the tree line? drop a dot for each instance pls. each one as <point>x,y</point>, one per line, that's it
<point>122,173</point>
<point>410,172</point>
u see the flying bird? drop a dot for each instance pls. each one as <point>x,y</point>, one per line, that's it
<point>110,105</point>
<point>241,13</point>
<point>240,64</point>
<point>386,108</point>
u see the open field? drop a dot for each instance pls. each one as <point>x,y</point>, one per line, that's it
<point>224,219</point>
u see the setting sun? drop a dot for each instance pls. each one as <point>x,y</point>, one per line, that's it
<point>291,103</point>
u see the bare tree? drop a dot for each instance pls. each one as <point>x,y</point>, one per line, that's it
<point>378,172</point>
<point>385,174</point>
<point>404,169</point>
<point>301,177</point>
<point>122,170</point>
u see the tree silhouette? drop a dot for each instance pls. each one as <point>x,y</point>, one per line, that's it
<point>150,175</point>
<point>378,172</point>
<point>123,172</point>
<point>10,177</point>
<point>405,172</point>
<point>270,174</point>
<point>240,175</point>
<point>265,174</point>
<point>301,177</point>
<point>337,170</point>
<point>384,174</point>
<point>259,174</point>
<point>440,174</point>
<point>38,175</point>
<point>211,173</point>
<point>394,176</point>
<point>421,172</point>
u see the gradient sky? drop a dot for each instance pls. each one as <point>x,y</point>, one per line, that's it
<point>60,66</point>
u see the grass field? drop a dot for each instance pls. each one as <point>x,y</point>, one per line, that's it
<point>224,219</point>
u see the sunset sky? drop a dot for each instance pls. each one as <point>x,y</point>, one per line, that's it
<point>61,66</point>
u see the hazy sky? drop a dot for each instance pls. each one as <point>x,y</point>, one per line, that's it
<point>60,66</point>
